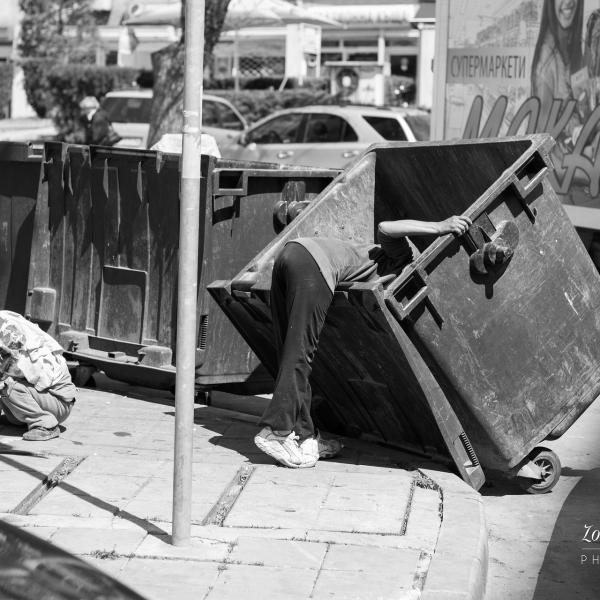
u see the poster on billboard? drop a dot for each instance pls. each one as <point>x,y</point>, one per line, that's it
<point>526,66</point>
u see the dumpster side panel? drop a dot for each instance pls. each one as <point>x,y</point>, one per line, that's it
<point>518,349</point>
<point>246,210</point>
<point>19,182</point>
<point>110,222</point>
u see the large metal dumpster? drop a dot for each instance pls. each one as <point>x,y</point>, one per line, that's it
<point>19,181</point>
<point>495,332</point>
<point>104,259</point>
<point>245,210</point>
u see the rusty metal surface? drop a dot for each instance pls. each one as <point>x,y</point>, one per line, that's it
<point>19,182</point>
<point>513,351</point>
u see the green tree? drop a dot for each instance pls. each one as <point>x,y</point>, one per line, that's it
<point>166,114</point>
<point>59,30</point>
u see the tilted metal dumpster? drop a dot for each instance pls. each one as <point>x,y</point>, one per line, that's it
<point>20,166</point>
<point>246,209</point>
<point>492,337</point>
<point>103,276</point>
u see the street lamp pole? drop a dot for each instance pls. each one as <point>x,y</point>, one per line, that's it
<point>189,219</point>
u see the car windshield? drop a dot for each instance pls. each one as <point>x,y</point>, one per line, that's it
<point>122,109</point>
<point>419,125</point>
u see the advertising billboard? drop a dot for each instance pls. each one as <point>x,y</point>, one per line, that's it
<point>526,66</point>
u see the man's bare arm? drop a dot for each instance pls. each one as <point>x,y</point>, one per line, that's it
<point>404,227</point>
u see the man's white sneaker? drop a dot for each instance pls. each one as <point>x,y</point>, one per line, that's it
<point>321,447</point>
<point>283,448</point>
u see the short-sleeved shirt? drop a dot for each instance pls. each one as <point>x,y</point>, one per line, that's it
<point>341,260</point>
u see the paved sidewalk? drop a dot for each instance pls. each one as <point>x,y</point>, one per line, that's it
<point>366,525</point>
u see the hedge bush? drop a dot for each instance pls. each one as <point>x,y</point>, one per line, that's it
<point>56,89</point>
<point>35,73</point>
<point>6,79</point>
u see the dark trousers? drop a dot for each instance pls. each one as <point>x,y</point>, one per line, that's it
<point>300,298</point>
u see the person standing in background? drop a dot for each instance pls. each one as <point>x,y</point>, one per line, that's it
<point>98,128</point>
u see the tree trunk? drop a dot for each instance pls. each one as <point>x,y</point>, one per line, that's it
<point>166,115</point>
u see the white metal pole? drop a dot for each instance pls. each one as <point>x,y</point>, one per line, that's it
<point>189,219</point>
<point>438,111</point>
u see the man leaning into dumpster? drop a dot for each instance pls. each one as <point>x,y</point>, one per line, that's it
<point>305,275</point>
<point>35,385</point>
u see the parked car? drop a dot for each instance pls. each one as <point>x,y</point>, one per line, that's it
<point>33,568</point>
<point>326,136</point>
<point>129,112</point>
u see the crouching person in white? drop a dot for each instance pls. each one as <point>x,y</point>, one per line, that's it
<point>35,385</point>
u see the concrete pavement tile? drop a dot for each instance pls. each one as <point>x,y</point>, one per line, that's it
<point>231,534</point>
<point>379,562</point>
<point>19,483</point>
<point>44,533</point>
<point>245,431</point>
<point>137,466</point>
<point>278,553</point>
<point>448,481</point>
<point>105,523</point>
<point>160,510</point>
<point>464,518</point>
<point>57,447</point>
<point>343,498</point>
<point>295,478</point>
<point>445,595</point>
<point>218,455</point>
<point>359,585</point>
<point>262,582</point>
<point>59,521</point>
<point>32,464</point>
<point>150,510</point>
<point>216,532</point>
<point>272,498</point>
<point>361,539</point>
<point>384,480</point>
<point>61,502</point>
<point>199,550</point>
<point>456,574</point>
<point>360,521</point>
<point>112,488</point>
<point>424,520</point>
<point>83,540</point>
<point>169,579</point>
<point>271,517</point>
<point>344,462</point>
<point>111,566</point>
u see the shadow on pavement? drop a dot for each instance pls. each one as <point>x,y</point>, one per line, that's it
<point>498,484</point>
<point>236,431</point>
<point>150,528</point>
<point>571,567</point>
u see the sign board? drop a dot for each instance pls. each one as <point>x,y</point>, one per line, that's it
<point>525,66</point>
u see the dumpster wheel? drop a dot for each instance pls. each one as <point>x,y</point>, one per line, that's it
<point>549,463</point>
